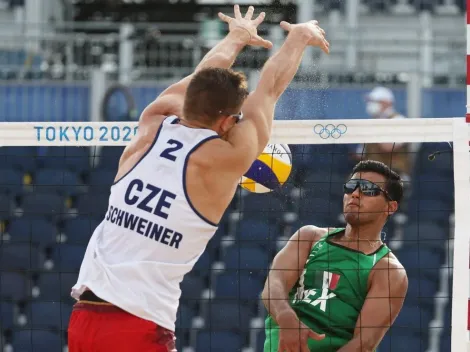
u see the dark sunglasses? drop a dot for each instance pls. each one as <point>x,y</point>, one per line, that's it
<point>237,117</point>
<point>366,187</point>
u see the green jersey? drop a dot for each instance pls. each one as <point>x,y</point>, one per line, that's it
<point>329,294</point>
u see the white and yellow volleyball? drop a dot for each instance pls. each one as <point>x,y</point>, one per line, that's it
<point>270,170</point>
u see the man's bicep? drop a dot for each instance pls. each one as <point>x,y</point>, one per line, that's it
<point>289,263</point>
<point>382,306</point>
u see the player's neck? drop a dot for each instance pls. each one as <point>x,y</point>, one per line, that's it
<point>366,232</point>
<point>193,124</point>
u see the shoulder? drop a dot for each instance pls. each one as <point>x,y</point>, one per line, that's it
<point>389,272</point>
<point>149,125</point>
<point>311,233</point>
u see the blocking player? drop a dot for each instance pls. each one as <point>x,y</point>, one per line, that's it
<point>174,182</point>
<point>344,283</point>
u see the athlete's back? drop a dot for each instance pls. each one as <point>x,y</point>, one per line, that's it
<point>151,235</point>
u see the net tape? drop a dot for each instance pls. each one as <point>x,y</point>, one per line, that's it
<point>284,131</point>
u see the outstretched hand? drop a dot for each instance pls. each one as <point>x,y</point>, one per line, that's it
<point>312,30</point>
<point>248,24</point>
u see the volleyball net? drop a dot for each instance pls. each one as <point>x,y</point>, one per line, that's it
<point>54,188</point>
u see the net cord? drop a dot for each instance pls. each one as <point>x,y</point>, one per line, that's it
<point>352,131</point>
<point>309,132</point>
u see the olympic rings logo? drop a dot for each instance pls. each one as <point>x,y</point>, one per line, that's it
<point>330,130</point>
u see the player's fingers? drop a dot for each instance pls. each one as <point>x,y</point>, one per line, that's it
<point>322,31</point>
<point>263,42</point>
<point>258,20</point>
<point>236,10</point>
<point>224,18</point>
<point>326,46</point>
<point>313,335</point>
<point>304,346</point>
<point>286,26</point>
<point>249,13</point>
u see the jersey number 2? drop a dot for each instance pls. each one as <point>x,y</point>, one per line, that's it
<point>175,145</point>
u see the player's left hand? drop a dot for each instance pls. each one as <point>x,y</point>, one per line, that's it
<point>247,24</point>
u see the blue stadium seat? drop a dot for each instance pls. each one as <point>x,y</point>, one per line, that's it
<point>68,257</point>
<point>20,158</point>
<point>184,317</point>
<point>227,315</point>
<point>59,181</point>
<point>260,337</point>
<point>6,314</point>
<point>18,257</point>
<point>429,234</point>
<point>34,230</point>
<point>421,289</point>
<point>247,258</point>
<point>14,286</point>
<point>55,286</point>
<point>428,186</point>
<point>262,205</point>
<point>203,265</point>
<point>403,339</point>
<point>7,204</point>
<point>413,256</point>
<point>257,231</point>
<point>239,286</point>
<point>445,341</point>
<point>191,289</point>
<point>94,205</point>
<point>320,211</point>
<point>109,157</point>
<point>37,341</point>
<point>44,315</point>
<point>101,179</point>
<point>218,341</point>
<point>414,317</point>
<point>50,205</point>
<point>11,181</point>
<point>436,210</point>
<point>76,159</point>
<point>79,230</point>
<point>326,190</point>
<point>441,165</point>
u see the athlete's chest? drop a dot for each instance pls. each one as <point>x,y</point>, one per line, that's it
<point>336,272</point>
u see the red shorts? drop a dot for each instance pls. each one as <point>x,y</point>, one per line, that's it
<point>101,327</point>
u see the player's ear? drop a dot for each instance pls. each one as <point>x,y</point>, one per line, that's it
<point>392,207</point>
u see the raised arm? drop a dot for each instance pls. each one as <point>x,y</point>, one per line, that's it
<point>384,301</point>
<point>252,135</point>
<point>285,271</point>
<point>242,32</point>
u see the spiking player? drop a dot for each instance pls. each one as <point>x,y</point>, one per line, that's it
<point>174,182</point>
<point>342,283</point>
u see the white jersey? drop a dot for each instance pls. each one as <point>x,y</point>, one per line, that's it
<point>151,235</point>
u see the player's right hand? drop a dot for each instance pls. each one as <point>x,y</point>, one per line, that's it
<point>247,24</point>
<point>293,334</point>
<point>310,29</point>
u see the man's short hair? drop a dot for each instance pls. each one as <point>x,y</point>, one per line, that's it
<point>214,92</point>
<point>393,182</point>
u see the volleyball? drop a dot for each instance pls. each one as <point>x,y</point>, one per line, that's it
<point>270,170</point>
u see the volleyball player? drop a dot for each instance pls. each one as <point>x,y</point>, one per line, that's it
<point>343,283</point>
<point>174,182</point>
